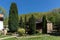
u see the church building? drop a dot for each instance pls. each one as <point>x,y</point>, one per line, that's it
<point>1,22</point>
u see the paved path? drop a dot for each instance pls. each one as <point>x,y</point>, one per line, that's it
<point>22,37</point>
<point>7,37</point>
<point>33,36</point>
<point>19,37</point>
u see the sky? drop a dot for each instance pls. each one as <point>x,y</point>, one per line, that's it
<point>28,6</point>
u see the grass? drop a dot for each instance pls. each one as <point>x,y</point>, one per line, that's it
<point>11,39</point>
<point>42,37</point>
<point>2,36</point>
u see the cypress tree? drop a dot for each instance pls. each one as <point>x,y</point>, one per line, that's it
<point>21,25</point>
<point>25,23</point>
<point>32,25</point>
<point>44,28</point>
<point>13,18</point>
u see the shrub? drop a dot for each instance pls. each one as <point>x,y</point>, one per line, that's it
<point>21,31</point>
<point>37,31</point>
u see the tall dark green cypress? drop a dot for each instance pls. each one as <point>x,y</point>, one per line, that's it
<point>32,25</point>
<point>13,18</point>
<point>21,24</point>
<point>44,28</point>
<point>25,23</point>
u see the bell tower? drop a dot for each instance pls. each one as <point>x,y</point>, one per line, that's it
<point>1,22</point>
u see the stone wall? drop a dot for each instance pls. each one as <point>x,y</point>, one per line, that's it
<point>49,27</point>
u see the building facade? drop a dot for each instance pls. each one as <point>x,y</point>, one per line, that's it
<point>39,25</point>
<point>1,21</point>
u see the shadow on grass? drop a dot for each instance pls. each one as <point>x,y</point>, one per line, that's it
<point>55,34</point>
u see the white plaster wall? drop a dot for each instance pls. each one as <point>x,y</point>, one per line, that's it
<point>1,25</point>
<point>49,27</point>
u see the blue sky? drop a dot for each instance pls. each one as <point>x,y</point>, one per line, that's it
<point>27,6</point>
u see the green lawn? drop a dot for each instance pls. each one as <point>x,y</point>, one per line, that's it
<point>37,38</point>
<point>2,36</point>
<point>11,39</point>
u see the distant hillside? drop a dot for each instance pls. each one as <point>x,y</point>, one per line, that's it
<point>37,15</point>
<point>57,10</point>
<point>53,16</point>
